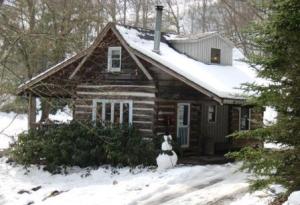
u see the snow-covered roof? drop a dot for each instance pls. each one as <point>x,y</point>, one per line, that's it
<point>190,36</point>
<point>46,71</point>
<point>221,80</point>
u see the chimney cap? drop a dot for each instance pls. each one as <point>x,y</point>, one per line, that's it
<point>159,7</point>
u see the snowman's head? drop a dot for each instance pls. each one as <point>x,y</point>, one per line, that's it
<point>170,137</point>
<point>166,138</point>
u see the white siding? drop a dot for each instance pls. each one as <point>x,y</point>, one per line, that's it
<point>200,49</point>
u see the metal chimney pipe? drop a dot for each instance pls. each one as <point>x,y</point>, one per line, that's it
<point>157,33</point>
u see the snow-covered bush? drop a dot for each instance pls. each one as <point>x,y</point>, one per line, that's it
<point>167,158</point>
<point>82,144</point>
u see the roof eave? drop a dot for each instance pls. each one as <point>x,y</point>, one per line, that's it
<point>234,101</point>
<point>22,88</point>
<point>228,42</point>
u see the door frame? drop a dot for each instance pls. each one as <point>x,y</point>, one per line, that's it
<point>188,122</point>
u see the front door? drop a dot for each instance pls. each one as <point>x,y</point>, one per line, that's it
<point>183,124</point>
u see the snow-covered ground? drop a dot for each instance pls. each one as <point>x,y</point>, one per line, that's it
<point>11,124</point>
<point>211,184</point>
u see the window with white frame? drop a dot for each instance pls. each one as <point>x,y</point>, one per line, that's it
<point>114,59</point>
<point>114,111</point>
<point>211,115</point>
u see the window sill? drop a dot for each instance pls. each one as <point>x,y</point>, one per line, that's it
<point>114,71</point>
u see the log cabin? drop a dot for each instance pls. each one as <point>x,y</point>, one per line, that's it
<point>160,83</point>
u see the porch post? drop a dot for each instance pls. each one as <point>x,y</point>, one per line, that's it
<point>31,111</point>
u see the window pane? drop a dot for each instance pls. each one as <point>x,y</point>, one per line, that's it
<point>115,63</point>
<point>180,115</point>
<point>215,55</point>
<point>244,118</point>
<point>115,54</point>
<point>99,112</point>
<point>117,113</point>
<point>185,114</point>
<point>107,112</point>
<point>126,113</point>
<point>211,113</point>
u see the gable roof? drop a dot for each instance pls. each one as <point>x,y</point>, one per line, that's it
<point>82,56</point>
<point>57,67</point>
<point>217,81</point>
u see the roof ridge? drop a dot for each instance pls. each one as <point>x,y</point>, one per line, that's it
<point>142,29</point>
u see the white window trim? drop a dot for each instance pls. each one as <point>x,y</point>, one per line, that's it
<point>109,59</point>
<point>112,102</point>
<point>215,114</point>
<point>189,125</point>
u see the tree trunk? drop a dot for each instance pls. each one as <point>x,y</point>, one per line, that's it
<point>137,13</point>
<point>125,11</point>
<point>204,9</point>
<point>31,111</point>
<point>45,105</point>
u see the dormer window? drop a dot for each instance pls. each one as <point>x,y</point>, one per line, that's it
<point>114,59</point>
<point>215,56</point>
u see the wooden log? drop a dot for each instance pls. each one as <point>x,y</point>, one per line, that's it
<point>114,97</point>
<point>139,105</point>
<point>117,89</point>
<point>142,126</point>
<point>143,118</point>
<point>132,94</point>
<point>83,109</point>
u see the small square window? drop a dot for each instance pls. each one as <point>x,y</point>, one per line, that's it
<point>215,56</point>
<point>211,113</point>
<point>114,59</point>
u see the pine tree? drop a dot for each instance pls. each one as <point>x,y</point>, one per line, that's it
<point>278,61</point>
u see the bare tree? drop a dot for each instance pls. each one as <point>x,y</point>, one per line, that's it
<point>124,11</point>
<point>136,5</point>
<point>203,15</point>
<point>173,14</point>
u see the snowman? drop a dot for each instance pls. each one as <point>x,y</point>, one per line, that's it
<point>168,158</point>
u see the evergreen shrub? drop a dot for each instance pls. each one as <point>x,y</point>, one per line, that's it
<point>83,144</point>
